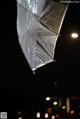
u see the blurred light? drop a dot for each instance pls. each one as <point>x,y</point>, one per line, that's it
<point>63,107</point>
<point>38,115</point>
<point>72,111</point>
<point>49,110</point>
<point>46,115</point>
<point>47,98</point>
<point>74,35</point>
<point>57,115</point>
<point>73,97</point>
<point>19,112</point>
<point>55,103</point>
<point>78,113</point>
<point>60,102</point>
<point>20,118</point>
<point>67,104</point>
<point>55,82</point>
<point>53,117</point>
<point>34,72</point>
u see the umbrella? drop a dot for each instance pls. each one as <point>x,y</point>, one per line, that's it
<point>38,26</point>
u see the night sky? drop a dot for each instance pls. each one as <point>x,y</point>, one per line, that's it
<point>56,78</point>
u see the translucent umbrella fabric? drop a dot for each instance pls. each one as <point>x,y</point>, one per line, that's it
<point>38,26</point>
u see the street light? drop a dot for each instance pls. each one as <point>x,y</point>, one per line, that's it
<point>63,107</point>
<point>74,35</point>
<point>20,118</point>
<point>38,115</point>
<point>53,117</point>
<point>55,103</point>
<point>46,115</point>
<point>47,98</point>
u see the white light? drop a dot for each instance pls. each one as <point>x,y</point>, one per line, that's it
<point>55,103</point>
<point>63,107</point>
<point>20,118</point>
<point>46,115</point>
<point>53,117</point>
<point>74,35</point>
<point>38,114</point>
<point>47,98</point>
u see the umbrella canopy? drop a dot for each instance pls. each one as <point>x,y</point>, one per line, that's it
<point>38,26</point>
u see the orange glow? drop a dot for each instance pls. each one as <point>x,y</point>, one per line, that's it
<point>72,111</point>
<point>49,110</point>
<point>67,104</point>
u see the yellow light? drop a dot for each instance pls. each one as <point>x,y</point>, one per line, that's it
<point>38,114</point>
<point>74,35</point>
<point>53,117</point>
<point>47,98</point>
<point>19,112</point>
<point>55,103</point>
<point>46,115</point>
<point>68,104</point>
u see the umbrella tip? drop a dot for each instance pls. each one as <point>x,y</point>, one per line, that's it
<point>54,60</point>
<point>33,72</point>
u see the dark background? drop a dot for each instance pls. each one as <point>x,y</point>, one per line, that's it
<point>17,81</point>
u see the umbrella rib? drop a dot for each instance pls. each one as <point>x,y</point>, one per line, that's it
<point>43,49</point>
<point>42,23</point>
